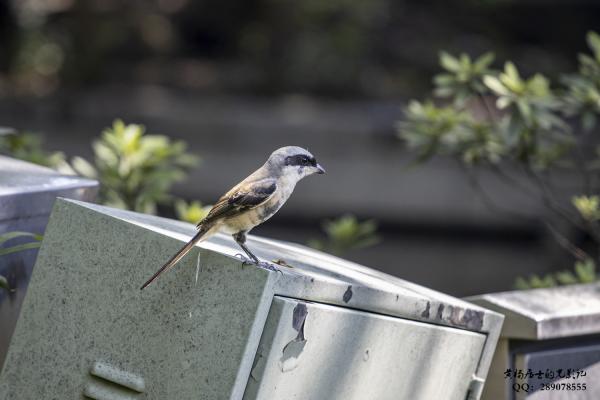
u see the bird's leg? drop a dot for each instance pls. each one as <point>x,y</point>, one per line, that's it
<point>240,239</point>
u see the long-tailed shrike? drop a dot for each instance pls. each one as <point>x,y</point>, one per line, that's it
<point>252,201</point>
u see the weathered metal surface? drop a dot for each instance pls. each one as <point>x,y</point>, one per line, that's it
<point>29,190</point>
<point>546,313</point>
<point>195,333</point>
<point>27,194</point>
<point>312,351</point>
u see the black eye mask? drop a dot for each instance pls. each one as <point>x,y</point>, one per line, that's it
<point>301,160</point>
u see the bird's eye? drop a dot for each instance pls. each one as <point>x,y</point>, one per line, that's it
<point>304,161</point>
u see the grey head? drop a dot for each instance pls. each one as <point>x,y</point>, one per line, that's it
<point>293,161</point>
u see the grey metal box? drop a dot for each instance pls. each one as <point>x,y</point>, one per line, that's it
<point>321,328</point>
<point>27,194</point>
<point>546,330</point>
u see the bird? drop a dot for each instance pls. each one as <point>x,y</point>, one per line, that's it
<point>251,202</point>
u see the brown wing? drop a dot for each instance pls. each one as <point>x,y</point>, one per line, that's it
<point>240,199</point>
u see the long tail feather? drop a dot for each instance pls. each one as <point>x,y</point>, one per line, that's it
<point>178,256</point>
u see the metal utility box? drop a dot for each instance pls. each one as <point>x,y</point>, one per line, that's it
<point>27,194</point>
<point>212,328</point>
<point>549,346</point>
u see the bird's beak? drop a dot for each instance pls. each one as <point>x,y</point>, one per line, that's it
<point>320,169</point>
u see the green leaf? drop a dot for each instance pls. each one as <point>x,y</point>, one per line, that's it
<point>484,61</point>
<point>449,62</point>
<point>503,102</point>
<point>346,233</point>
<point>511,72</point>
<point>105,155</point>
<point>586,271</point>
<point>587,206</point>
<point>4,284</point>
<point>495,85</point>
<point>593,40</point>
<point>15,234</point>
<point>84,168</point>
<point>566,278</point>
<point>522,284</point>
<point>192,212</point>
<point>542,282</point>
<point>21,247</point>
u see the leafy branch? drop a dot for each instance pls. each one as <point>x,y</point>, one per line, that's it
<point>504,122</point>
<point>136,170</point>
<point>29,147</point>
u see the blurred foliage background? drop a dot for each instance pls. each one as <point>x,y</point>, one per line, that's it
<point>334,48</point>
<point>227,82</point>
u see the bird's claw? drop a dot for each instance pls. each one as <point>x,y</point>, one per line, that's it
<point>245,260</point>
<point>261,264</point>
<point>267,265</point>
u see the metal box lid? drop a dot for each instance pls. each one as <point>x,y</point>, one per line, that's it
<point>358,286</point>
<point>546,313</point>
<point>28,189</point>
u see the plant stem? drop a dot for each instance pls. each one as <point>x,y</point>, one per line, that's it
<point>561,239</point>
<point>550,202</point>
<point>491,115</point>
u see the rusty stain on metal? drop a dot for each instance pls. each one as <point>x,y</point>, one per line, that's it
<point>293,349</point>
<point>472,319</point>
<point>440,312</point>
<point>298,319</point>
<point>425,313</point>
